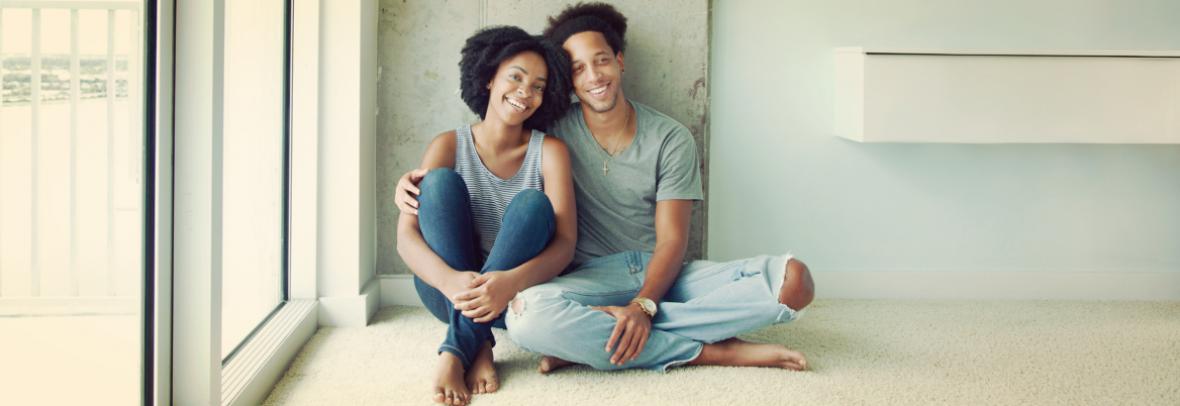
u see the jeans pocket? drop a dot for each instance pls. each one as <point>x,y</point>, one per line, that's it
<point>608,283</point>
<point>612,298</point>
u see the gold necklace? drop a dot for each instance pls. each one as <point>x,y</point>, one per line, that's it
<point>610,154</point>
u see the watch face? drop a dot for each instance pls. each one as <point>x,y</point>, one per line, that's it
<point>648,306</point>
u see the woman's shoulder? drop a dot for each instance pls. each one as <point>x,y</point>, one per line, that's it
<point>553,143</point>
<point>445,139</point>
<point>554,147</point>
<point>441,150</point>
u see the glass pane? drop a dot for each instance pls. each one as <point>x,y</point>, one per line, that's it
<point>252,205</point>
<point>71,216</point>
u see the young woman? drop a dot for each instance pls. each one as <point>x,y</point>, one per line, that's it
<point>495,207</point>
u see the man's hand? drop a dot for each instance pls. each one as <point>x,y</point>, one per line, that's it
<point>406,194</point>
<point>632,328</point>
<point>488,295</point>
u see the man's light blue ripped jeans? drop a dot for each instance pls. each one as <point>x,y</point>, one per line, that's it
<point>709,302</point>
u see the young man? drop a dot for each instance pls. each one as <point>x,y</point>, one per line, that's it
<point>629,300</point>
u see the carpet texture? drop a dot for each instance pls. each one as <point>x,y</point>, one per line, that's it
<point>860,352</point>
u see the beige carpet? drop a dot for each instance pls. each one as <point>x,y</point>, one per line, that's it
<point>861,352</point>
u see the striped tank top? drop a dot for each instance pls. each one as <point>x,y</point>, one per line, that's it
<point>489,193</point>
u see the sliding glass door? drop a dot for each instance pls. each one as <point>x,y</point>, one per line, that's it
<point>72,212</point>
<point>254,172</point>
<point>91,303</point>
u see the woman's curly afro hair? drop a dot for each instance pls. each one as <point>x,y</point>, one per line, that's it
<point>582,17</point>
<point>488,48</point>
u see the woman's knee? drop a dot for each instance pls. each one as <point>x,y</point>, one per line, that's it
<point>442,189</point>
<point>531,205</point>
<point>440,177</point>
<point>532,200</point>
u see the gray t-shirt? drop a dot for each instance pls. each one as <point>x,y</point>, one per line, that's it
<point>617,209</point>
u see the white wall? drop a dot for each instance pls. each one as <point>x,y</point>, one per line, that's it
<point>347,110</point>
<point>781,181</point>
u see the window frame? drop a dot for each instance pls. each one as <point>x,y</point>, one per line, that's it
<point>285,190</point>
<point>188,357</point>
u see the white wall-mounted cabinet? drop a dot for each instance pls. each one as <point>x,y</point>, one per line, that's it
<point>1104,97</point>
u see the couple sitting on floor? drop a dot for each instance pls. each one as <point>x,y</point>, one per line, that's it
<point>489,227</point>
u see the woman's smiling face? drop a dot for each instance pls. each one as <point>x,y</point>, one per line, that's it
<point>518,88</point>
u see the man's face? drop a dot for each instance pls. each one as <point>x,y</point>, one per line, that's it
<point>597,70</point>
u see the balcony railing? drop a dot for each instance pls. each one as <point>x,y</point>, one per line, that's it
<point>70,158</point>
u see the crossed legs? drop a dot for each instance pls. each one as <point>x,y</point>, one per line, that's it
<point>795,291</point>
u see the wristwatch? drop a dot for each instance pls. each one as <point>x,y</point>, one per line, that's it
<point>647,305</point>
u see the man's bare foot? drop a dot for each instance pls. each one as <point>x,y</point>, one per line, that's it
<point>482,376</point>
<point>798,289</point>
<point>448,383</point>
<point>550,364</point>
<point>738,353</point>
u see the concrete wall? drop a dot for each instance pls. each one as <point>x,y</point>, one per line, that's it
<point>936,208</point>
<point>417,94</point>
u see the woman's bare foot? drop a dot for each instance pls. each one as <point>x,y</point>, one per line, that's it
<point>448,383</point>
<point>482,376</point>
<point>798,289</point>
<point>550,364</point>
<point>738,353</point>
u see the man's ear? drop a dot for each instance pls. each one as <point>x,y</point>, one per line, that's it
<point>619,57</point>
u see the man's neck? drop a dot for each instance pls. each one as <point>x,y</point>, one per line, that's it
<point>610,122</point>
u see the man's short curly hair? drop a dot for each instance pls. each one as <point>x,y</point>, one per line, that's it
<point>582,17</point>
<point>488,48</point>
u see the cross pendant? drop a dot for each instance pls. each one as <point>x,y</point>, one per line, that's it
<point>605,169</point>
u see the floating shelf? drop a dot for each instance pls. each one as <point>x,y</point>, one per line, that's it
<point>1103,97</point>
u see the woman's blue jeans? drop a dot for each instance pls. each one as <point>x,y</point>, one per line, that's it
<point>445,219</point>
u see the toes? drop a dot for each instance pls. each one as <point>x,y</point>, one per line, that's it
<point>545,366</point>
<point>457,398</point>
<point>491,386</point>
<point>439,396</point>
<point>795,360</point>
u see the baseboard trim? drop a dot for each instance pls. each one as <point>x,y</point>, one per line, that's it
<point>920,285</point>
<point>351,311</point>
<point>398,290</point>
<point>999,285</point>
